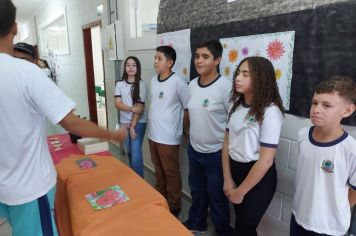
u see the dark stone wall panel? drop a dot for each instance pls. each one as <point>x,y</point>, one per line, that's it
<point>325,45</point>
<point>175,15</point>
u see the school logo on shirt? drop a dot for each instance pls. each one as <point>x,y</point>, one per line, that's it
<point>250,121</point>
<point>161,94</point>
<point>328,166</point>
<point>205,103</point>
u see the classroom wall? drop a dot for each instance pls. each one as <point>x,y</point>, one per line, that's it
<point>72,79</point>
<point>71,68</point>
<point>27,32</point>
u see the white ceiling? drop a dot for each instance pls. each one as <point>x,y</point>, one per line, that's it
<point>26,8</point>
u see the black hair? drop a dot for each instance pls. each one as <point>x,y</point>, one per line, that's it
<point>135,89</point>
<point>45,63</point>
<point>7,17</point>
<point>214,46</point>
<point>26,48</point>
<point>168,52</point>
<point>47,66</point>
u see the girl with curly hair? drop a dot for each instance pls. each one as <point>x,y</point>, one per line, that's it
<point>254,123</point>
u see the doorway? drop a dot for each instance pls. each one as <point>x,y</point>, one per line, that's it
<point>95,74</point>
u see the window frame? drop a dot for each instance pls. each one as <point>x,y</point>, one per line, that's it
<point>138,43</point>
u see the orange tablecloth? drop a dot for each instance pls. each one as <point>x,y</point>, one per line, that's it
<point>146,213</point>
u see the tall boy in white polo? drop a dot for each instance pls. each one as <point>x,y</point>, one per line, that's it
<point>208,107</point>
<point>168,100</point>
<point>169,97</point>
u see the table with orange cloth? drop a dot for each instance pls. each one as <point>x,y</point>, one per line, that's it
<point>146,213</point>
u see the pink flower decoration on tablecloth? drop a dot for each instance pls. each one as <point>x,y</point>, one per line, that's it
<point>121,199</point>
<point>86,164</point>
<point>275,49</point>
<point>245,51</point>
<point>105,201</point>
<point>110,200</point>
<point>111,193</point>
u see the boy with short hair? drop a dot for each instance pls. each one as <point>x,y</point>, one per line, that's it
<point>169,97</point>
<point>326,172</point>
<point>208,107</point>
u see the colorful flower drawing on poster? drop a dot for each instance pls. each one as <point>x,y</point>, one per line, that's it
<point>227,71</point>
<point>185,71</point>
<point>275,50</point>
<point>245,51</point>
<point>233,54</point>
<point>278,73</point>
<point>180,41</point>
<point>277,47</point>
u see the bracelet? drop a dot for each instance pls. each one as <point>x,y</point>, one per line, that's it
<point>132,126</point>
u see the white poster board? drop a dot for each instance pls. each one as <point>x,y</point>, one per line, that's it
<point>277,47</point>
<point>180,41</point>
<point>110,43</point>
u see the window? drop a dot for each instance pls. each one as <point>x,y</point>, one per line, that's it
<point>143,17</point>
<point>54,36</point>
<point>142,24</point>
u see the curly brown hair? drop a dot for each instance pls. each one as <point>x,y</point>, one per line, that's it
<point>343,85</point>
<point>264,89</point>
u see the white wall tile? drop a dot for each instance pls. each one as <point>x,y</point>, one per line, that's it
<point>292,125</point>
<point>285,184</point>
<point>293,156</point>
<point>282,155</point>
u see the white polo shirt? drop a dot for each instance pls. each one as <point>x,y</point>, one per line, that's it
<point>123,89</point>
<point>165,118</point>
<point>208,107</point>
<point>324,173</point>
<point>246,135</point>
<point>27,97</point>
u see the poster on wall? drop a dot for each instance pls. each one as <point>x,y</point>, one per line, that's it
<point>110,42</point>
<point>180,41</point>
<point>277,47</point>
